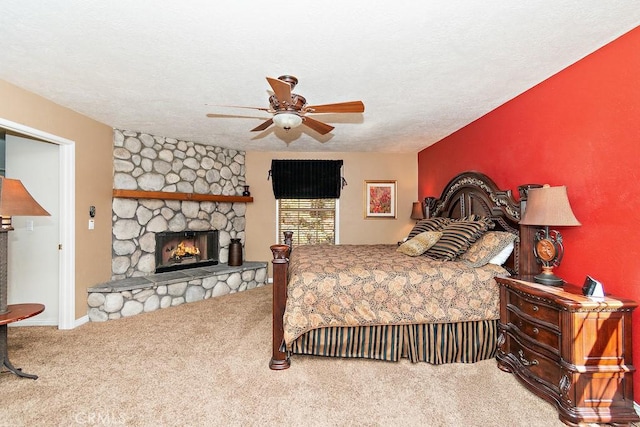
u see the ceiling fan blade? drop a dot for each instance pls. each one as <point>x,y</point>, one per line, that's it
<point>263,126</point>
<point>318,126</point>
<point>281,89</point>
<point>232,116</point>
<point>239,106</point>
<point>341,107</point>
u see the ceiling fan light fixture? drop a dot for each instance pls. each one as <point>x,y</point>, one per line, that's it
<point>286,120</point>
<point>290,109</point>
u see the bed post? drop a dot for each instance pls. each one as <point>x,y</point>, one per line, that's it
<point>280,262</point>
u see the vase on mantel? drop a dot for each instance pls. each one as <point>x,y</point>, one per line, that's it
<point>235,253</point>
<point>246,192</point>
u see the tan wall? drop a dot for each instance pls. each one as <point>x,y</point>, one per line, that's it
<point>94,183</point>
<point>94,177</point>
<point>358,167</point>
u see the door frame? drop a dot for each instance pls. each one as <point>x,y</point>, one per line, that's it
<point>66,276</point>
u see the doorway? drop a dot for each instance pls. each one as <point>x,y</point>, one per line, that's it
<point>33,258</point>
<point>66,210</point>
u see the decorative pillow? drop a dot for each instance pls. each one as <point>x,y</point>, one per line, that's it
<point>503,256</point>
<point>420,243</point>
<point>456,238</point>
<point>486,247</point>
<point>429,224</point>
<point>476,217</point>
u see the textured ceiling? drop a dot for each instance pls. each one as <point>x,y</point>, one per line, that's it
<point>422,69</point>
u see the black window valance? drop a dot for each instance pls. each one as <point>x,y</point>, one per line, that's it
<point>306,179</point>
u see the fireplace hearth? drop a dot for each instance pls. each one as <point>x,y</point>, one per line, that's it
<point>186,249</point>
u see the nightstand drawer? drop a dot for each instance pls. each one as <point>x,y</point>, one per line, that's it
<point>535,309</point>
<point>539,334</point>
<point>538,366</point>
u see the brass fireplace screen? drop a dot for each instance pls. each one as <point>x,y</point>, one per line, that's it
<point>186,249</point>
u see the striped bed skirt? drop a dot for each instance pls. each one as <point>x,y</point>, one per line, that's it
<point>436,343</point>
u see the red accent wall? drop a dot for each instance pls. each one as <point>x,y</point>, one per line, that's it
<point>579,128</point>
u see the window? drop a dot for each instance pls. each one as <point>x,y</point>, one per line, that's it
<point>313,221</point>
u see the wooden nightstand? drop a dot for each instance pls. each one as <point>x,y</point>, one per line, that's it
<point>569,349</point>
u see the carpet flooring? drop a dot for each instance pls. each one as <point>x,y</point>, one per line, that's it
<point>206,364</point>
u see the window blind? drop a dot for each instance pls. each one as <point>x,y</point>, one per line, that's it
<point>312,221</point>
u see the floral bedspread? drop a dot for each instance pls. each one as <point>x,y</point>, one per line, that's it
<point>353,285</point>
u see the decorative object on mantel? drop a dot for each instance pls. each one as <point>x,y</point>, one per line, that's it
<point>15,200</point>
<point>235,253</point>
<point>548,206</point>
<point>417,212</point>
<point>246,192</point>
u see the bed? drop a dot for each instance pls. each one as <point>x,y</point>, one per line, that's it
<point>376,302</point>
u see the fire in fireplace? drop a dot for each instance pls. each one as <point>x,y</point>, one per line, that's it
<point>186,249</point>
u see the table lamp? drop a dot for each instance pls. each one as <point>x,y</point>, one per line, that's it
<point>15,200</point>
<point>548,206</point>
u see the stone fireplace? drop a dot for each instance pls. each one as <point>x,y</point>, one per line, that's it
<point>156,164</point>
<point>176,205</point>
<point>185,249</point>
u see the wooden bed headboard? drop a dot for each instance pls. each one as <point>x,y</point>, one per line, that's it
<point>475,193</point>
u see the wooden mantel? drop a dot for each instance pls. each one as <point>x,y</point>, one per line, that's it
<point>165,195</point>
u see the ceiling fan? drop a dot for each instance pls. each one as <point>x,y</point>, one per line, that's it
<point>290,110</point>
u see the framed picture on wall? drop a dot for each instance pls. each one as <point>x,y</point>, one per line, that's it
<point>380,199</point>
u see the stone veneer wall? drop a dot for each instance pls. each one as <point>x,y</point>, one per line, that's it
<point>135,295</point>
<point>153,163</point>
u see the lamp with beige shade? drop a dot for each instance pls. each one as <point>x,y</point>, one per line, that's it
<point>548,206</point>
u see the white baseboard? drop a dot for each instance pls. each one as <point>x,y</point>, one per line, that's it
<point>36,322</point>
<point>33,322</point>
<point>81,321</point>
